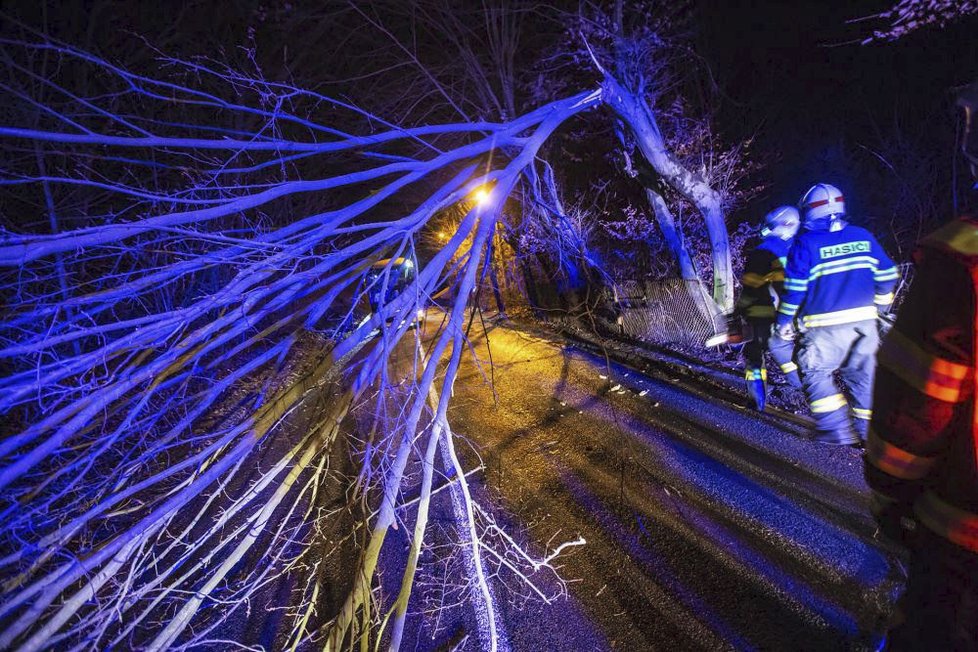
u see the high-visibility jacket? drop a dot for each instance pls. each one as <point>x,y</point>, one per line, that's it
<point>836,277</point>
<point>763,274</point>
<point>922,446</point>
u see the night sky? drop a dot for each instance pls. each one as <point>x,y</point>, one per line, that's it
<point>794,74</point>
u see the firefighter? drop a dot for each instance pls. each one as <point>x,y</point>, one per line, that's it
<point>921,457</point>
<point>763,283</point>
<point>836,278</point>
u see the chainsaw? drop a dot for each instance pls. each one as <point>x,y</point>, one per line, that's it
<point>738,332</point>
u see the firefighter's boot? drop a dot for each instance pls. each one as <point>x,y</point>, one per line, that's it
<point>832,424</point>
<point>756,388</point>
<point>830,409</point>
<point>790,370</point>
<point>861,418</point>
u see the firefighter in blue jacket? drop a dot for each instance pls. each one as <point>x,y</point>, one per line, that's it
<point>763,283</point>
<point>837,278</point>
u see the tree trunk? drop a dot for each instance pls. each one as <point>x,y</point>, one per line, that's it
<point>674,239</point>
<point>494,279</point>
<point>492,270</point>
<point>635,112</point>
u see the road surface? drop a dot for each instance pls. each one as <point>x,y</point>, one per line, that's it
<point>708,526</point>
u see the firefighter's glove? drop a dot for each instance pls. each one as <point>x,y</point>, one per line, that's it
<point>895,520</point>
<point>885,322</point>
<point>786,331</point>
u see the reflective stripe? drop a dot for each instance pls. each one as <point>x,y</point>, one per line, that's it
<point>753,280</point>
<point>755,374</point>
<point>788,308</point>
<point>953,523</point>
<point>890,274</point>
<point>829,404</point>
<point>823,202</point>
<point>862,413</point>
<point>895,461</point>
<point>845,265</point>
<point>788,367</point>
<point>936,377</point>
<point>974,340</point>
<point>795,284</point>
<point>840,316</point>
<point>759,311</point>
<point>883,299</point>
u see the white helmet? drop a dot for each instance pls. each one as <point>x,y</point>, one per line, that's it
<point>822,201</point>
<point>783,222</point>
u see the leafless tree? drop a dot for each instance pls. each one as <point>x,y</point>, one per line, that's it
<point>170,239</point>
<point>115,485</point>
<point>907,16</point>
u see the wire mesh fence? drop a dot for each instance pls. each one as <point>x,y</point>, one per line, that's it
<point>662,312</point>
<point>671,311</point>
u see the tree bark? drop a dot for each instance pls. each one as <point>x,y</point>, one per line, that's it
<point>635,112</point>
<point>674,239</point>
<point>494,279</point>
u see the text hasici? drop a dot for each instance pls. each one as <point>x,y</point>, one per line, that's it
<point>843,249</point>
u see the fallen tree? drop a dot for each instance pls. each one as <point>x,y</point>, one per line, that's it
<point>205,222</point>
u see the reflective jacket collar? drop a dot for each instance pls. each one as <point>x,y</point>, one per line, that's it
<point>959,238</point>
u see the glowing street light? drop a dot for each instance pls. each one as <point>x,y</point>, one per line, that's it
<point>481,196</point>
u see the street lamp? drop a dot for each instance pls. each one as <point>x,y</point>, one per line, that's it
<point>481,196</point>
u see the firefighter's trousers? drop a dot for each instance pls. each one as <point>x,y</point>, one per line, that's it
<point>781,350</point>
<point>939,610</point>
<point>851,350</point>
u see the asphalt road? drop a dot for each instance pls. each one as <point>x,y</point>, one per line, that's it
<point>708,526</point>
